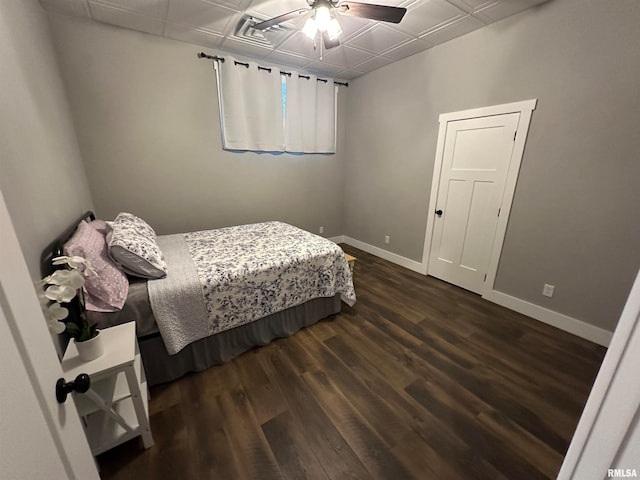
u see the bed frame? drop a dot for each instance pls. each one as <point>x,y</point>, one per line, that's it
<point>55,248</point>
<point>160,367</point>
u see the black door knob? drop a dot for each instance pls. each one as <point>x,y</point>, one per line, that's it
<point>439,213</point>
<point>81,384</point>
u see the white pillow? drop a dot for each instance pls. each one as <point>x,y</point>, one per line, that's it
<point>133,246</point>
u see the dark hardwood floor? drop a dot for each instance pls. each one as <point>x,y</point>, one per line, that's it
<point>419,379</point>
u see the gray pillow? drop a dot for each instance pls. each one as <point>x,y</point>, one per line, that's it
<point>133,246</point>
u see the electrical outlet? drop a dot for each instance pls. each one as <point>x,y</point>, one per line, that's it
<point>321,229</point>
<point>387,239</point>
<point>547,291</point>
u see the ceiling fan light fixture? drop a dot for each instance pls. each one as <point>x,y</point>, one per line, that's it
<point>310,28</point>
<point>334,30</point>
<point>323,18</point>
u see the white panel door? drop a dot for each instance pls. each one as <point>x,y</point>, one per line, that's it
<point>475,162</point>
<point>24,429</point>
<point>40,438</point>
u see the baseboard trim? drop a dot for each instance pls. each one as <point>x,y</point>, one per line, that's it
<point>385,254</point>
<point>563,322</point>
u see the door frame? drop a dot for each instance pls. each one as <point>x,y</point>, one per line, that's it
<point>525,109</point>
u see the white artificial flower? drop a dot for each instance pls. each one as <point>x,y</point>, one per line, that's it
<point>56,326</point>
<point>77,263</point>
<point>62,286</point>
<point>66,278</point>
<point>60,293</point>
<point>52,314</point>
<point>88,270</point>
<point>73,262</point>
<point>57,312</point>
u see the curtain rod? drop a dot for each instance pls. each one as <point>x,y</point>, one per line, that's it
<point>210,57</point>
<point>221,59</point>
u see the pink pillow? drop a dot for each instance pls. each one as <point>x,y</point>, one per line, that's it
<point>100,225</point>
<point>107,291</point>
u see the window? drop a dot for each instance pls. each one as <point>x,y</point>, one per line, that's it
<point>263,109</point>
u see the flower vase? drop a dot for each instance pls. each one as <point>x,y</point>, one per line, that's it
<point>90,349</point>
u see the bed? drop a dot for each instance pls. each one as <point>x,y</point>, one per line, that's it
<point>225,291</point>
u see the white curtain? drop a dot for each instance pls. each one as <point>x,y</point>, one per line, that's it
<point>250,106</point>
<point>310,121</point>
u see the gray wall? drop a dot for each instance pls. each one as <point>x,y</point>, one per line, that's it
<point>41,173</point>
<point>575,220</point>
<point>146,113</point>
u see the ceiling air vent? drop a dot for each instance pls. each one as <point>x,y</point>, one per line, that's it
<point>271,37</point>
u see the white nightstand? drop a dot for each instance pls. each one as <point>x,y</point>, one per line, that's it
<point>115,409</point>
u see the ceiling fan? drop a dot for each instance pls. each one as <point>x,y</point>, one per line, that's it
<point>322,19</point>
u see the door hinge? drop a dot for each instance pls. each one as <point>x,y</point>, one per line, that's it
<point>485,277</point>
<point>514,135</point>
<point>499,211</point>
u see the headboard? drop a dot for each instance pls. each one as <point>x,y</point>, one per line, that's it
<point>55,249</point>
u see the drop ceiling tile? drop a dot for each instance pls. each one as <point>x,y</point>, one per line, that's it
<point>237,5</point>
<point>351,26</point>
<point>456,29</point>
<point>126,19</point>
<point>346,57</point>
<point>152,8</point>
<point>471,5</point>
<point>425,15</point>
<point>244,48</point>
<point>300,44</point>
<point>323,69</point>
<point>349,74</point>
<point>499,10</point>
<point>202,15</point>
<point>193,35</point>
<point>292,61</point>
<point>378,39</point>
<point>373,64</point>
<point>407,49</point>
<point>77,8</point>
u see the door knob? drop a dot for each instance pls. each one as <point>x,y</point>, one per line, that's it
<point>63,388</point>
<point>439,213</point>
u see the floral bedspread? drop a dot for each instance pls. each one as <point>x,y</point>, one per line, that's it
<point>250,271</point>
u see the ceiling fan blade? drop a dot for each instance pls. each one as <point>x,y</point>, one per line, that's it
<point>381,13</point>
<point>328,43</point>
<point>272,22</point>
